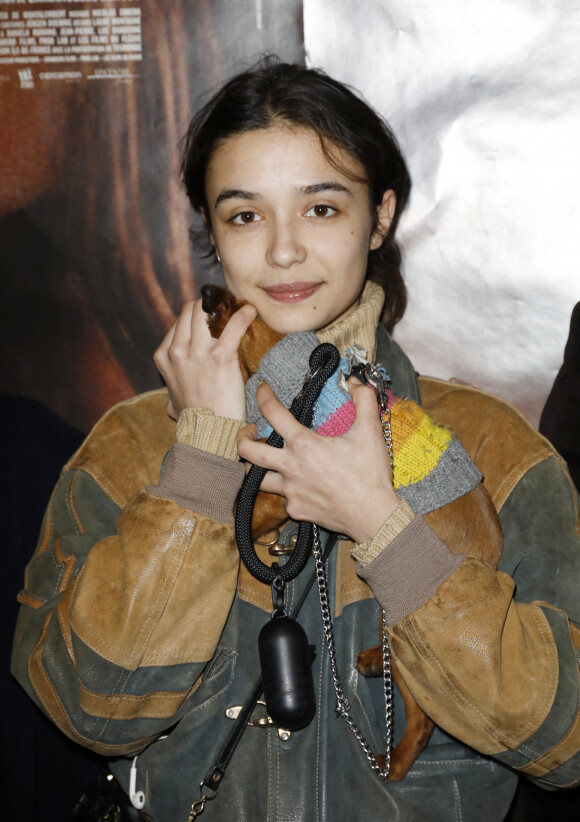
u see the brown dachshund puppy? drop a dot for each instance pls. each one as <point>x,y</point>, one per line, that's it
<point>469,525</point>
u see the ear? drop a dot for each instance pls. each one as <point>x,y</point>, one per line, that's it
<point>385,214</point>
<point>210,233</point>
<point>207,224</point>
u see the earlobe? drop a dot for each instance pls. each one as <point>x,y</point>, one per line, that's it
<point>385,214</point>
<point>210,233</point>
<point>215,248</point>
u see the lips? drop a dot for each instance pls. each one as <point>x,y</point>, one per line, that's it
<point>291,292</point>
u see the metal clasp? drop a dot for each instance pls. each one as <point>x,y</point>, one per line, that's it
<point>371,375</point>
<point>310,376</point>
<point>277,548</point>
<point>377,377</point>
<point>198,807</point>
<point>260,721</point>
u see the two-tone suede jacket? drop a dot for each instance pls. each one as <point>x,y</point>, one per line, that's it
<point>138,628</point>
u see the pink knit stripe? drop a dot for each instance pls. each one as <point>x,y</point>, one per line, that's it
<point>391,399</point>
<point>339,422</point>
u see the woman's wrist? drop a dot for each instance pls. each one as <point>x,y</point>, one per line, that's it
<point>202,429</point>
<point>390,528</point>
<point>376,510</point>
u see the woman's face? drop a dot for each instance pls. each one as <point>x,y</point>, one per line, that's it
<point>293,232</point>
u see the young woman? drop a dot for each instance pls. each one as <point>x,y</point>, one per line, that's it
<point>138,627</point>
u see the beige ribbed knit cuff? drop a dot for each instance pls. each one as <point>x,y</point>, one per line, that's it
<point>409,572</point>
<point>201,428</point>
<point>366,551</point>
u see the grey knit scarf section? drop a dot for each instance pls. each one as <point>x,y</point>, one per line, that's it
<point>454,475</point>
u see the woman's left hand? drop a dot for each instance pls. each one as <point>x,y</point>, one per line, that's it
<point>342,483</point>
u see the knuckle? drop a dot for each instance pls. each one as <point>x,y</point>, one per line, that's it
<point>176,354</point>
<point>365,392</point>
<point>293,509</point>
<point>219,356</point>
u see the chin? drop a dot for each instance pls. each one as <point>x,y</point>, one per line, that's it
<point>291,324</point>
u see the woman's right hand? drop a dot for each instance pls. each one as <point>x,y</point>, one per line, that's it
<point>200,371</point>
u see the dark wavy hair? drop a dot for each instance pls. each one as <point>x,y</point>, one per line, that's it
<point>273,93</point>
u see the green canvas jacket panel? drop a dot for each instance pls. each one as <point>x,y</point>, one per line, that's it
<point>136,634</point>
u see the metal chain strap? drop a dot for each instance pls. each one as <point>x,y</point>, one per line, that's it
<point>387,433</point>
<point>342,703</point>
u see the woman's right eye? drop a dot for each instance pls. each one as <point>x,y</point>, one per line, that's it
<point>245,218</point>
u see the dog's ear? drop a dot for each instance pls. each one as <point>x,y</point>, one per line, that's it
<point>219,305</point>
<point>211,297</point>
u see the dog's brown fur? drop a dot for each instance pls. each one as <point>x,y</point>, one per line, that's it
<point>469,525</point>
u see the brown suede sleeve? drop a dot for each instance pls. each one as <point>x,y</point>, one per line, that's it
<point>201,481</point>
<point>155,594</point>
<point>409,570</point>
<point>482,666</point>
<point>126,581</point>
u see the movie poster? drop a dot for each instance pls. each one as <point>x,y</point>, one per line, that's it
<point>95,255</point>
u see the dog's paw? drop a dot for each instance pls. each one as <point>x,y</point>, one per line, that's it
<point>370,662</point>
<point>397,771</point>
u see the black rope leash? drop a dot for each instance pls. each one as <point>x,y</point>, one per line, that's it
<point>323,363</point>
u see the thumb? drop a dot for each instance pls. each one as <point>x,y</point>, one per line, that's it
<point>237,325</point>
<point>248,433</point>
<point>368,424</point>
<point>366,405</point>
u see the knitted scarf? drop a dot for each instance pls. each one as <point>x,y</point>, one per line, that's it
<point>430,466</point>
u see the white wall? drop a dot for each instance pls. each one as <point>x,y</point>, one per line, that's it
<point>484,96</point>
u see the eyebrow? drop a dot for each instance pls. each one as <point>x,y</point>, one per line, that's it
<point>235,194</point>
<point>329,185</point>
<point>315,188</point>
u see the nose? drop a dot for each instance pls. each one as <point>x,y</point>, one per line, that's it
<point>285,247</point>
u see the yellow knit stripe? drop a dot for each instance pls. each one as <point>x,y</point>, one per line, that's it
<point>406,417</point>
<point>418,443</point>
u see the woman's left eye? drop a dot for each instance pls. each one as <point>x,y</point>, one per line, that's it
<point>320,211</point>
<point>245,218</point>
